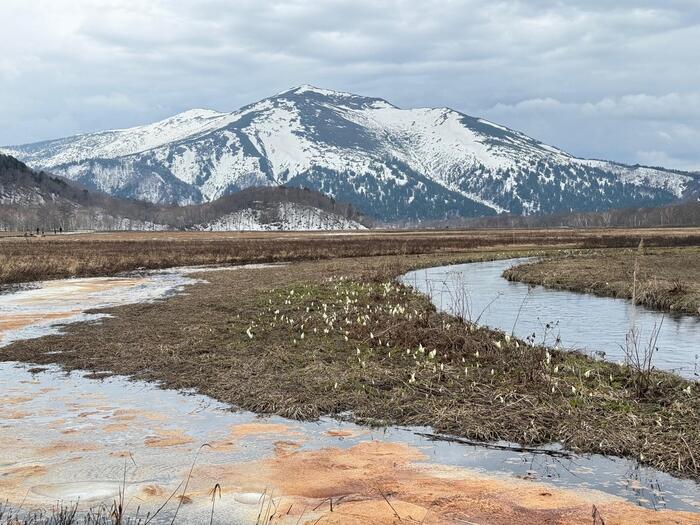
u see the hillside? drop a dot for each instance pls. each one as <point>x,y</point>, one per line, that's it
<point>31,200</point>
<point>685,214</point>
<point>390,163</point>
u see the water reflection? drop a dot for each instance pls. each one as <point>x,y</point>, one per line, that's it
<point>52,414</point>
<point>598,325</point>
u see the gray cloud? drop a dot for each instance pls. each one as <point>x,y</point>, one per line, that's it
<point>609,80</point>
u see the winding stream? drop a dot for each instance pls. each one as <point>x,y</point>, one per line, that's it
<point>65,437</point>
<point>597,325</point>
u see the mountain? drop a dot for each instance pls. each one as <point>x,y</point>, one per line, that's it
<point>681,215</point>
<point>391,163</point>
<point>264,208</point>
<point>31,200</point>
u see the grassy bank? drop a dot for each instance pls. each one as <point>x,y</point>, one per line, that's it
<point>666,279</point>
<point>337,336</point>
<point>51,257</point>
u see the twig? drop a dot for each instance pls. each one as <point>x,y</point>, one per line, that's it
<point>514,448</point>
<point>187,482</point>
<point>695,465</point>
<point>389,503</point>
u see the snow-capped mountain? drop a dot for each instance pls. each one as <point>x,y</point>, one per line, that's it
<point>391,163</point>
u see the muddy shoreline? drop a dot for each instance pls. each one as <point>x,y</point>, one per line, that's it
<point>262,340</point>
<point>298,366</point>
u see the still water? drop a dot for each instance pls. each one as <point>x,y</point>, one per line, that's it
<point>80,439</point>
<point>596,325</point>
<point>65,437</point>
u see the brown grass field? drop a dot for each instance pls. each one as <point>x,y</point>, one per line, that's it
<point>334,333</point>
<point>667,279</point>
<point>93,254</point>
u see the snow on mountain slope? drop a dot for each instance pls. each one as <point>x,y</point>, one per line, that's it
<point>391,163</point>
<point>281,217</point>
<point>121,142</point>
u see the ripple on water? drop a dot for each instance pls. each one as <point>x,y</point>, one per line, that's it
<point>79,490</point>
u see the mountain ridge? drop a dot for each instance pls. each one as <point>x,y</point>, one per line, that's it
<point>391,163</point>
<point>38,201</point>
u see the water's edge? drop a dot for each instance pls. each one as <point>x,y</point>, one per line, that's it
<point>51,411</point>
<point>569,320</point>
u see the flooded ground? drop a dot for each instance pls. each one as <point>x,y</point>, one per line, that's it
<point>571,320</point>
<point>65,437</point>
<point>42,308</point>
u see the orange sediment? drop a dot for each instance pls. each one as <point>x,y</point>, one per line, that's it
<point>379,482</point>
<point>167,438</point>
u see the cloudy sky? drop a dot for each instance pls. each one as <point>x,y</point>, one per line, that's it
<point>607,79</point>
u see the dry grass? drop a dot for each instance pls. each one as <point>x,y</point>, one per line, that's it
<point>328,337</point>
<point>667,279</point>
<point>51,257</point>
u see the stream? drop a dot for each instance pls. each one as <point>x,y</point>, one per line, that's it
<point>575,321</point>
<point>65,437</point>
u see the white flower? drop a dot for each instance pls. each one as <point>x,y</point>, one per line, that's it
<point>498,344</point>
<point>250,334</point>
<point>413,378</point>
<point>432,353</point>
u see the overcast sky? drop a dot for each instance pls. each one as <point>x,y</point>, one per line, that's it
<point>616,79</point>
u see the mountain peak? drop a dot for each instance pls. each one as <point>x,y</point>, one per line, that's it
<point>308,88</point>
<point>345,98</point>
<point>392,163</point>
